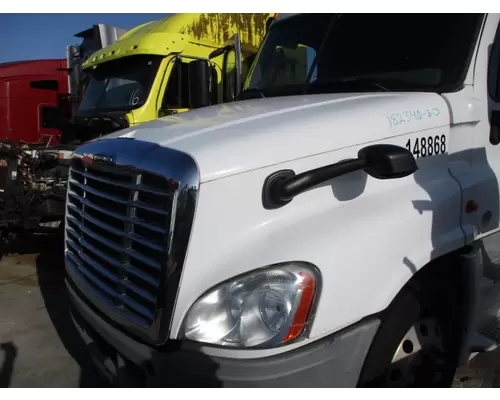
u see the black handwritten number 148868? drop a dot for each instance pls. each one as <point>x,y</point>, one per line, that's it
<point>427,146</point>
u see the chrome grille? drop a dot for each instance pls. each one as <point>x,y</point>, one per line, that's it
<point>119,227</point>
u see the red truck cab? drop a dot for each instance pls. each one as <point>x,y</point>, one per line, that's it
<point>33,96</point>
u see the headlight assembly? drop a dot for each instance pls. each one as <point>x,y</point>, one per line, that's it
<point>264,308</point>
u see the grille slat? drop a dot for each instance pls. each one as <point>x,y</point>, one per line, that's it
<point>116,280</point>
<point>146,278</point>
<point>112,214</point>
<point>102,285</point>
<point>74,247</point>
<point>98,268</point>
<point>125,185</point>
<point>118,235</point>
<point>137,318</point>
<point>140,204</point>
<point>117,232</point>
<point>119,249</point>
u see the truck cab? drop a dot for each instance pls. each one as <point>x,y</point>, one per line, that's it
<point>37,95</point>
<point>146,73</point>
<point>334,227</point>
<point>32,95</point>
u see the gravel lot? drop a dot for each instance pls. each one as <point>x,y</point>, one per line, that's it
<point>39,346</point>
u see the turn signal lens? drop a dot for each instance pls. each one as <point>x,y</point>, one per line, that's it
<point>308,288</point>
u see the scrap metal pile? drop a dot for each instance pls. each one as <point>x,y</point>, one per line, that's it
<point>33,179</point>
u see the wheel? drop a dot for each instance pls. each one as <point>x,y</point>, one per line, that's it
<point>417,343</point>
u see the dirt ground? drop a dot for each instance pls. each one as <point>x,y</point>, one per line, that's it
<point>40,348</point>
<point>40,345</point>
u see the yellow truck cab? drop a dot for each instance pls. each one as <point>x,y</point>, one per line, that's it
<point>161,68</point>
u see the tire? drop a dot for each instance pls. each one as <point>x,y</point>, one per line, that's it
<point>433,311</point>
<point>52,254</point>
<point>60,243</point>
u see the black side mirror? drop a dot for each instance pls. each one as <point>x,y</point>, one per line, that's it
<point>381,161</point>
<point>385,161</point>
<point>199,83</point>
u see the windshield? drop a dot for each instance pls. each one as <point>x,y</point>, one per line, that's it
<point>120,85</point>
<point>364,52</point>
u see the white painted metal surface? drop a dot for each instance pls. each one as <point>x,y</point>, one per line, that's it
<point>367,237</point>
<point>234,138</point>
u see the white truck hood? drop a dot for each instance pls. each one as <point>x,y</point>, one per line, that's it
<point>237,137</point>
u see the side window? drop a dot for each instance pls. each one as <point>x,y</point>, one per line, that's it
<point>310,56</point>
<point>246,64</point>
<point>45,85</point>
<point>494,69</point>
<point>49,117</point>
<point>177,93</point>
<point>289,66</point>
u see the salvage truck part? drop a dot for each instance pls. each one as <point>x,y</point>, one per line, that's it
<point>324,230</point>
<point>37,102</point>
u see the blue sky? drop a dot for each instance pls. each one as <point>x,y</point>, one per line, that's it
<point>38,36</point>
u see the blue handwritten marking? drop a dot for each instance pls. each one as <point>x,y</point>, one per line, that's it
<point>406,117</point>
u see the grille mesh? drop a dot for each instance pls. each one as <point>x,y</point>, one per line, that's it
<point>119,226</point>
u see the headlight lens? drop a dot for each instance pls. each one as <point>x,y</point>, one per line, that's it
<point>263,308</point>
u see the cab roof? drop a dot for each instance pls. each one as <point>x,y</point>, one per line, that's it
<point>171,34</point>
<point>32,67</point>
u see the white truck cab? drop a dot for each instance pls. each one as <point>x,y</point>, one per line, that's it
<point>336,226</point>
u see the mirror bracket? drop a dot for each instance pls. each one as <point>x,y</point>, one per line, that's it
<point>271,199</point>
<point>162,112</point>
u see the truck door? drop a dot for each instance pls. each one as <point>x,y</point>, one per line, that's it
<point>475,135</point>
<point>175,97</point>
<point>178,93</point>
